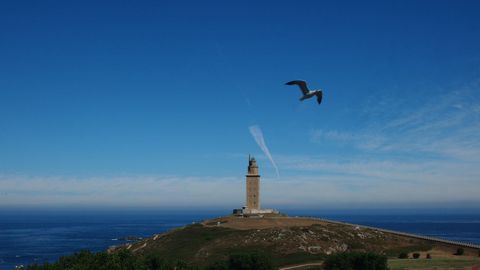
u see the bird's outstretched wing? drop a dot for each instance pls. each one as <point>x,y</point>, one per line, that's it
<point>301,84</point>
<point>319,97</point>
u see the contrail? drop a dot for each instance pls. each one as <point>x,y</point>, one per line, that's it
<point>258,136</point>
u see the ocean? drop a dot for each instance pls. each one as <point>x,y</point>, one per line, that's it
<point>28,237</point>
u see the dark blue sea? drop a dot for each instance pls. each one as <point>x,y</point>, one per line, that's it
<point>28,237</point>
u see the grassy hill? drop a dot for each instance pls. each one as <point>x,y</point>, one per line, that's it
<point>287,240</point>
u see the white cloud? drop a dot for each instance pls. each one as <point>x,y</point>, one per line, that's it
<point>446,126</point>
<point>356,185</point>
<point>257,135</point>
<point>161,191</point>
<point>427,153</point>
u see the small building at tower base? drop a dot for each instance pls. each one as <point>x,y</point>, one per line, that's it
<point>244,211</point>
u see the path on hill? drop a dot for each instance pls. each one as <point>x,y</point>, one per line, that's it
<point>298,266</point>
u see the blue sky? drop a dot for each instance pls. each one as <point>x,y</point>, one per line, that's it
<point>153,100</point>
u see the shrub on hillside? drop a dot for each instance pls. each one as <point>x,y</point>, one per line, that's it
<point>403,255</point>
<point>244,261</point>
<point>100,261</point>
<point>460,251</point>
<point>220,265</point>
<point>121,260</point>
<point>416,255</point>
<point>356,261</point>
<point>153,262</point>
<point>248,261</point>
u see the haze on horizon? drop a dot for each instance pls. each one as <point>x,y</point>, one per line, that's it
<point>149,104</point>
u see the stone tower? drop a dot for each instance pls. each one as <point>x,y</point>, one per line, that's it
<point>253,185</point>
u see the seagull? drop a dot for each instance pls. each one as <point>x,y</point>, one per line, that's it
<point>307,93</point>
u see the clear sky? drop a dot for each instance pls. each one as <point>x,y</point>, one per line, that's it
<point>149,103</point>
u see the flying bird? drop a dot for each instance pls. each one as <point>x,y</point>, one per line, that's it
<point>307,93</point>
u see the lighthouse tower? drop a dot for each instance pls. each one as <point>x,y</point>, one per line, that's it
<point>252,207</point>
<point>253,185</point>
